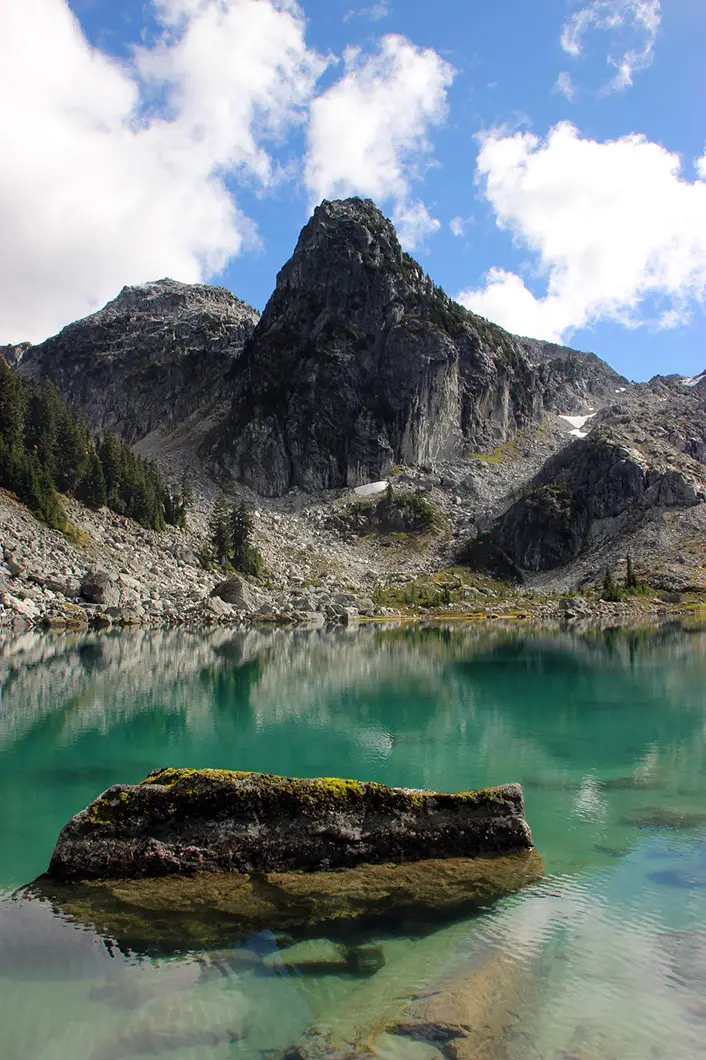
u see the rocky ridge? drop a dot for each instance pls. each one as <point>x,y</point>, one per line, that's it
<point>154,357</point>
<point>361,363</point>
<point>360,369</point>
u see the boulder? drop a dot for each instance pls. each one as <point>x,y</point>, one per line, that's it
<point>187,820</point>
<point>100,587</point>
<point>201,909</point>
<point>237,592</point>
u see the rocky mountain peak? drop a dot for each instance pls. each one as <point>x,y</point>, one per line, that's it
<point>153,356</point>
<point>165,300</point>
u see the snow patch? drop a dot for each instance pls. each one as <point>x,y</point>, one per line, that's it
<point>371,489</point>
<point>577,422</point>
<point>696,379</point>
<point>621,390</point>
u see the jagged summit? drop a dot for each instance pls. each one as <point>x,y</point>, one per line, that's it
<point>361,362</point>
<point>170,299</point>
<point>153,356</point>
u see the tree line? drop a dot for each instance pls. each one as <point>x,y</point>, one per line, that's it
<point>46,448</point>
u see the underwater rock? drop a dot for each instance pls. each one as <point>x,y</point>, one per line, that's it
<point>366,959</point>
<point>664,817</point>
<point>203,909</point>
<point>200,1017</point>
<point>469,1014</point>
<point>181,821</point>
<point>312,957</point>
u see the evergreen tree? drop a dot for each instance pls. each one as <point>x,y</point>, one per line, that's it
<point>13,402</point>
<point>91,489</point>
<point>611,592</point>
<point>220,531</point>
<point>244,556</point>
<point>74,449</point>
<point>110,455</point>
<point>40,495</point>
<point>630,577</point>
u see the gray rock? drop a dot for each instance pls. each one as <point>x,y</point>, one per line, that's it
<point>236,591</point>
<point>15,568</point>
<point>150,358</point>
<point>360,362</point>
<point>313,955</point>
<point>218,607</point>
<point>166,825</point>
<point>100,587</point>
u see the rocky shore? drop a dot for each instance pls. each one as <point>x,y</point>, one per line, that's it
<point>110,572</point>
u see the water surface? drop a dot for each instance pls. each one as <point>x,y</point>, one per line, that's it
<point>606,958</point>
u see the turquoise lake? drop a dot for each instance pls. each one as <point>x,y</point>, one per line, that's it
<point>604,959</point>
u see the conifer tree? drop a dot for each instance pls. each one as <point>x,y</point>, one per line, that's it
<point>220,531</point>
<point>630,576</point>
<point>91,489</point>
<point>611,592</point>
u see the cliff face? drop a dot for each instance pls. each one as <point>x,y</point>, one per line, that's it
<point>149,359</point>
<point>610,483</point>
<point>360,362</point>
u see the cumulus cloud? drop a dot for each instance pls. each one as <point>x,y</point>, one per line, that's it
<point>632,26</point>
<point>116,172</point>
<point>370,128</point>
<point>614,225</point>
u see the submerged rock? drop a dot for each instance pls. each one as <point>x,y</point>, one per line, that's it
<point>184,821</point>
<point>203,909</point>
<point>201,1017</point>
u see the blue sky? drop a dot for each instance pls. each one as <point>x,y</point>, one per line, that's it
<point>545,161</point>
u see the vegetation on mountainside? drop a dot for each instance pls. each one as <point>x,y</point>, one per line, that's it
<point>612,592</point>
<point>396,511</point>
<point>46,448</point>
<point>230,534</point>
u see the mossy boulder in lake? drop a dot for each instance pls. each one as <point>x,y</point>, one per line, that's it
<point>185,821</point>
<point>192,857</point>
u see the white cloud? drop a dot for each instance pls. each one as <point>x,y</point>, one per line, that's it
<point>116,173</point>
<point>612,224</point>
<point>632,26</point>
<point>376,12</point>
<point>414,223</point>
<point>369,131</point>
<point>565,85</point>
<point>458,225</point>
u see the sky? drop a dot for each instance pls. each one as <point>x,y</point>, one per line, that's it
<point>544,160</point>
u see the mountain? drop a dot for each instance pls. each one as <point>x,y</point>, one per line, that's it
<point>361,369</point>
<point>361,363</point>
<point>155,355</point>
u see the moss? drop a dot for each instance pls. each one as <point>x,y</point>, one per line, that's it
<point>168,777</point>
<point>340,789</point>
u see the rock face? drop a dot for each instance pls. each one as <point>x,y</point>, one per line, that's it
<point>12,355</point>
<point>603,477</point>
<point>149,359</point>
<point>360,362</point>
<point>183,821</point>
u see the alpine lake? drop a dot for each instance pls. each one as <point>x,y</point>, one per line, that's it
<point>604,958</point>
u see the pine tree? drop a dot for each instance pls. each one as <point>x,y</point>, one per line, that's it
<point>110,455</point>
<point>220,531</point>
<point>611,592</point>
<point>91,489</point>
<point>73,450</point>
<point>244,556</point>
<point>630,576</point>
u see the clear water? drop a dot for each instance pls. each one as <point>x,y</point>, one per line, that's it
<point>605,959</point>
